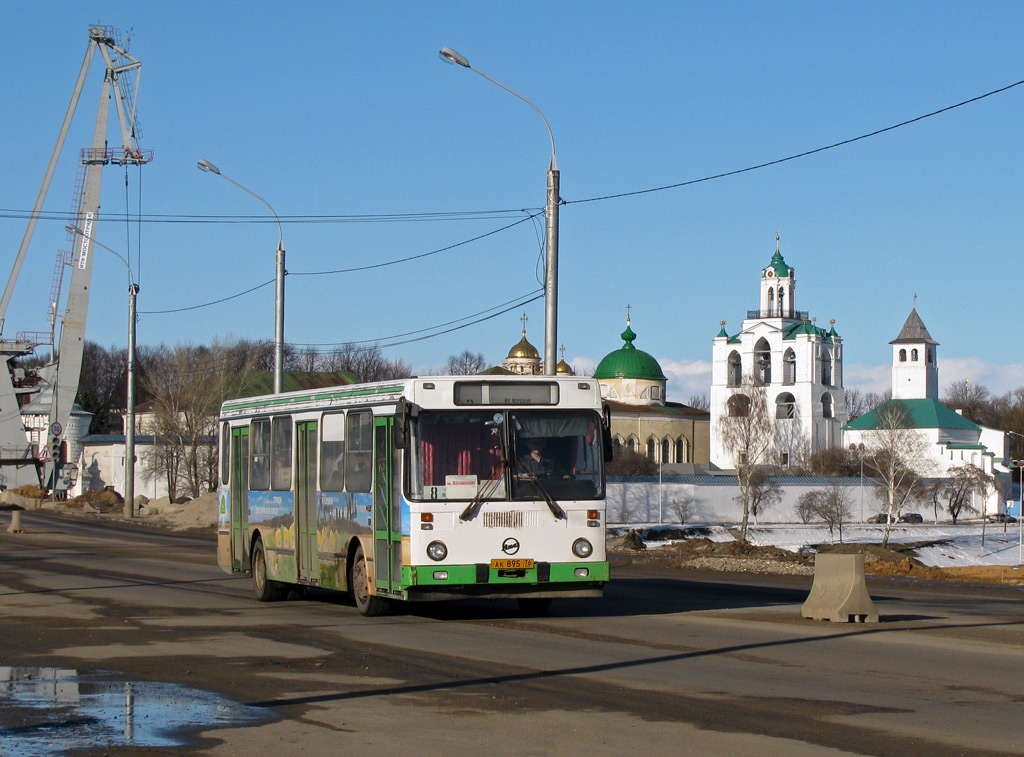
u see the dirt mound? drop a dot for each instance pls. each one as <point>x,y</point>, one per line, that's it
<point>104,500</point>
<point>30,491</point>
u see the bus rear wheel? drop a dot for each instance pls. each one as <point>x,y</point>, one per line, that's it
<point>534,606</point>
<point>266,590</point>
<point>359,585</point>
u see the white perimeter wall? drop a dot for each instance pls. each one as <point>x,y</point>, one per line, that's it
<point>650,502</point>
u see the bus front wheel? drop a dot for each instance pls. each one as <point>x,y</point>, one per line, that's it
<point>359,584</point>
<point>266,590</point>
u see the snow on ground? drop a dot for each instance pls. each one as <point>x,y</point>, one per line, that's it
<point>945,546</point>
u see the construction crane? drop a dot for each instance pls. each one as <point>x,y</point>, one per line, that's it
<point>45,464</point>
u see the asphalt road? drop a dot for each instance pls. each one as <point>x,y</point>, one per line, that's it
<point>666,662</point>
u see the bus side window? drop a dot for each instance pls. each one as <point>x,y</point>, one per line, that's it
<point>282,457</point>
<point>225,452</point>
<point>358,469</point>
<point>332,452</point>
<point>259,455</point>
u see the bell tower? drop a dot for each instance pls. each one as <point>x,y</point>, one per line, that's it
<point>915,369</point>
<point>778,287</point>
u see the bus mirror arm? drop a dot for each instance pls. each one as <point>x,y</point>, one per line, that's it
<point>405,411</point>
<point>606,434</point>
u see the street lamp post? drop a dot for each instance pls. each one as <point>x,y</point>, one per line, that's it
<point>551,216</point>
<point>129,421</point>
<point>205,165</point>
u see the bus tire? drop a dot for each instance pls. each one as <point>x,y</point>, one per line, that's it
<point>534,607</point>
<point>266,590</point>
<point>359,583</point>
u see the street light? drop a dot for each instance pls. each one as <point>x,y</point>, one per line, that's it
<point>551,216</point>
<point>129,431</point>
<point>205,165</point>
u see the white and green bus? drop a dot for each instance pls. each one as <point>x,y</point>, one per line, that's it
<point>427,488</point>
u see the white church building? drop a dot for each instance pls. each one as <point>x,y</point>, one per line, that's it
<point>799,364</point>
<point>951,440</point>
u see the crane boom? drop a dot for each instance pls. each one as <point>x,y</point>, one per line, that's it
<point>53,470</point>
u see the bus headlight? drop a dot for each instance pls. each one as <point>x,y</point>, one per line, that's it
<point>580,548</point>
<point>437,551</point>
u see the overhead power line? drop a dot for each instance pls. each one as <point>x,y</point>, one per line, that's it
<point>800,154</point>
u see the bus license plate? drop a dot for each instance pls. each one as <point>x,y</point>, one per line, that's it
<point>512,563</point>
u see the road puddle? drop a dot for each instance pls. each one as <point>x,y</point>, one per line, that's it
<point>56,710</point>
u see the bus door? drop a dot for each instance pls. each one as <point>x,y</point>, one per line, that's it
<point>305,499</point>
<point>240,498</point>
<point>387,517</point>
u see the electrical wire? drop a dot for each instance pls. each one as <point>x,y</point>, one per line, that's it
<point>798,155</point>
<point>514,302</point>
<point>421,255</point>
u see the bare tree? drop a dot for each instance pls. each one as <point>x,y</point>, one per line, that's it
<point>367,363</point>
<point>765,491</point>
<point>188,385</point>
<point>626,462</point>
<point>831,505</point>
<point>684,506</point>
<point>465,364</point>
<point>973,399</point>
<point>699,402</point>
<point>747,431</point>
<point>899,457</point>
<point>959,486</point>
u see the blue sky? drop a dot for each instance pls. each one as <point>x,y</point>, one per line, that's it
<point>344,110</point>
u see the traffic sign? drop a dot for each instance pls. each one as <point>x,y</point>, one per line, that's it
<point>56,429</point>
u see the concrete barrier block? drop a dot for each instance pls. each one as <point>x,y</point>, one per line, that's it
<point>839,592</point>
<point>15,527</point>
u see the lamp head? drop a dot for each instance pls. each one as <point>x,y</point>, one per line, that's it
<point>71,228</point>
<point>205,165</point>
<point>449,56</point>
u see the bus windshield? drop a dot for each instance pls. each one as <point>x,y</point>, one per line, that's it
<point>557,453</point>
<point>550,453</point>
<point>457,456</point>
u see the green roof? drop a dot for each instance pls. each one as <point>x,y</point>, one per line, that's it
<point>629,362</point>
<point>807,327</point>
<point>781,269</point>
<point>922,413</point>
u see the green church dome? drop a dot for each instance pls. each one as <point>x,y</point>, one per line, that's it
<point>629,362</point>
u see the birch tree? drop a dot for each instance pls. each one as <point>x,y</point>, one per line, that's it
<point>747,431</point>
<point>899,456</point>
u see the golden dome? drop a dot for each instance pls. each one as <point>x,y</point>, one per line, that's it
<point>524,350</point>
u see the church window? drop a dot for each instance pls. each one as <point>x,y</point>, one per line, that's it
<point>789,367</point>
<point>826,405</point>
<point>666,450</point>
<point>931,356</point>
<point>652,450</point>
<point>784,458</point>
<point>903,356</point>
<point>826,369</point>
<point>681,450</point>
<point>782,299</point>
<point>735,377</point>
<point>631,444</point>
<point>763,361</point>
<point>655,392</point>
<point>913,355</point>
<point>785,406</point>
<point>771,302</point>
<point>739,406</point>
<point>617,445</point>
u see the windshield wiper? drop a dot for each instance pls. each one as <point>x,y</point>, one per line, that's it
<point>478,499</point>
